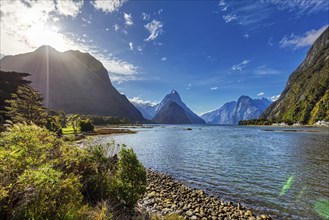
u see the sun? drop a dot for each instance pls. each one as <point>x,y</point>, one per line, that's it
<point>38,35</point>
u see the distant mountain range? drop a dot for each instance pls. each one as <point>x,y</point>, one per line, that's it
<point>73,82</point>
<point>232,112</point>
<point>171,110</point>
<point>305,98</point>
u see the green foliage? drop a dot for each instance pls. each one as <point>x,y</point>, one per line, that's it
<point>74,121</point>
<point>108,120</point>
<point>86,125</point>
<point>9,82</point>
<point>43,177</point>
<point>306,96</point>
<point>36,181</point>
<point>26,106</point>
<point>130,178</point>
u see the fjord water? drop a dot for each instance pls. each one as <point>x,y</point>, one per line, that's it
<point>281,172</point>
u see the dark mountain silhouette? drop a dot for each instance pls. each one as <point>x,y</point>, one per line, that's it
<point>72,81</point>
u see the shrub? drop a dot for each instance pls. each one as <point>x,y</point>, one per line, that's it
<point>35,182</point>
<point>86,125</point>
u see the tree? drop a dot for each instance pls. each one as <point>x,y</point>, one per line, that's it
<point>9,82</point>
<point>26,106</point>
<point>75,120</point>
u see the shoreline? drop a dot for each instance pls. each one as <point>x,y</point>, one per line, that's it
<point>166,196</point>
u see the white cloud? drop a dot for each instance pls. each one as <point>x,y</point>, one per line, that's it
<point>214,88</point>
<point>86,20</point>
<point>246,35</point>
<point>128,19</point>
<point>25,28</point>
<point>116,27</point>
<point>274,98</point>
<point>265,70</point>
<point>160,11</point>
<point>230,17</point>
<point>155,29</point>
<point>241,65</point>
<point>139,48</point>
<point>307,39</point>
<point>163,59</point>
<point>145,16</point>
<point>189,86</point>
<point>131,46</point>
<point>259,14</point>
<point>69,8</point>
<point>261,94</point>
<point>138,100</point>
<point>108,6</point>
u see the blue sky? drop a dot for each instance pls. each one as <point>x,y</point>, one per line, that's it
<point>211,52</point>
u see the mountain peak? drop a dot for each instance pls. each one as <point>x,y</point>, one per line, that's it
<point>45,47</point>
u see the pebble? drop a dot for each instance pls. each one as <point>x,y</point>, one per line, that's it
<point>165,196</point>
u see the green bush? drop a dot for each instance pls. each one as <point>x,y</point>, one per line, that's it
<point>43,177</point>
<point>130,178</point>
<point>86,125</point>
<point>34,172</point>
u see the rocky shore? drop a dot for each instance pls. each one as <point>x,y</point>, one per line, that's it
<point>166,196</point>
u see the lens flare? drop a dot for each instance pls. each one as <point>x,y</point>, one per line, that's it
<point>287,185</point>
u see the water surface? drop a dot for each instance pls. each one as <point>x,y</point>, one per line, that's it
<point>281,172</point>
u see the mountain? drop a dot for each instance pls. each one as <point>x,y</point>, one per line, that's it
<point>147,109</point>
<point>72,81</point>
<point>232,112</point>
<point>167,110</point>
<point>305,98</point>
<point>171,113</point>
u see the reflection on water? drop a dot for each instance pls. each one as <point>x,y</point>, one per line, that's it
<point>285,174</point>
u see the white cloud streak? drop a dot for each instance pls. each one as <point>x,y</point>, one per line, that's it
<point>230,17</point>
<point>214,88</point>
<point>274,98</point>
<point>261,94</point>
<point>155,29</point>
<point>240,66</point>
<point>108,6</point>
<point>163,59</point>
<point>307,39</point>
<point>138,100</point>
<point>128,19</point>
<point>265,70</point>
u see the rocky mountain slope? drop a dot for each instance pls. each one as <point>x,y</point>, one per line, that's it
<point>305,98</point>
<point>73,82</point>
<point>232,112</point>
<point>173,112</point>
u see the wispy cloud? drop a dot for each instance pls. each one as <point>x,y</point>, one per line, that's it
<point>246,36</point>
<point>131,46</point>
<point>240,66</point>
<point>25,28</point>
<point>116,27</point>
<point>307,39</point>
<point>214,88</point>
<point>69,8</point>
<point>163,59</point>
<point>155,29</point>
<point>108,6</point>
<point>145,16</point>
<point>261,94</point>
<point>230,17</point>
<point>265,70</point>
<point>128,19</point>
<point>138,100</point>
<point>274,98</point>
<point>189,86</point>
<point>258,14</point>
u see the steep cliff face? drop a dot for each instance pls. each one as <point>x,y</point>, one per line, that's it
<point>232,112</point>
<point>171,113</point>
<point>72,81</point>
<point>175,98</point>
<point>305,98</point>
